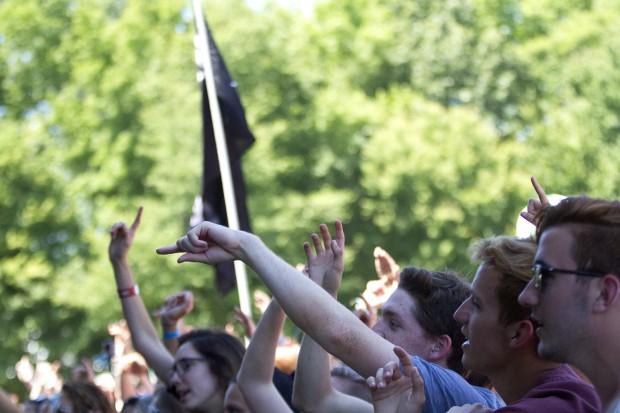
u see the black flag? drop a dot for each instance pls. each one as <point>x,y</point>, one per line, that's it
<point>238,139</point>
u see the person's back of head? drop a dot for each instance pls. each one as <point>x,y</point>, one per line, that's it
<point>438,294</point>
<point>86,398</point>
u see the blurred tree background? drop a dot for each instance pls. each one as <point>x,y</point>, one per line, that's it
<point>416,122</point>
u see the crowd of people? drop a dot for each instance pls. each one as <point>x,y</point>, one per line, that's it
<point>533,332</point>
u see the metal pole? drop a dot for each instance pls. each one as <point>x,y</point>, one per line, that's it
<point>204,53</point>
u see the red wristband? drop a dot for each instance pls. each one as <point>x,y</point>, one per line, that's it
<point>129,292</point>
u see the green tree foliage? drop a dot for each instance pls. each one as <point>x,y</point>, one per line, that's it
<point>417,123</point>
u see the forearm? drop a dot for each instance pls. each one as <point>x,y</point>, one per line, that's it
<point>259,359</point>
<point>171,335</point>
<point>143,333</point>
<point>312,377</point>
<point>318,314</point>
<point>256,372</point>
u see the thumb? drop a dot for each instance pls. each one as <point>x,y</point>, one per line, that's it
<point>192,257</point>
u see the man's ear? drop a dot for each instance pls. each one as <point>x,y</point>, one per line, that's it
<point>520,333</point>
<point>607,293</point>
<point>441,348</point>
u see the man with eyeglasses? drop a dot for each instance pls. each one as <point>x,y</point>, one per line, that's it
<point>575,290</point>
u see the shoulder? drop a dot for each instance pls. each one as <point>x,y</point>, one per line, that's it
<point>560,390</point>
<point>445,388</point>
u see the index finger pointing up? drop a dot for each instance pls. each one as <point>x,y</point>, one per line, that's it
<point>136,221</point>
<point>542,196</point>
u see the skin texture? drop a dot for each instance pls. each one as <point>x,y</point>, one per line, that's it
<point>562,298</point>
<point>234,402</point>
<point>393,391</point>
<point>487,340</point>
<point>589,340</point>
<point>143,334</point>
<point>256,372</point>
<point>313,390</point>
<point>197,388</point>
<point>398,326</point>
<point>311,308</point>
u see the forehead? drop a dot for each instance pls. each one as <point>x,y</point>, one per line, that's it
<point>555,247</point>
<point>400,304</point>
<point>186,350</point>
<point>485,284</point>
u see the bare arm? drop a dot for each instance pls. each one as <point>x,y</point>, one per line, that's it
<point>143,333</point>
<point>171,316</point>
<point>256,372</point>
<point>312,390</point>
<point>311,308</point>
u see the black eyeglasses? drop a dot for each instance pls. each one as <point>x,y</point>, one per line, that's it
<point>182,366</point>
<point>540,269</point>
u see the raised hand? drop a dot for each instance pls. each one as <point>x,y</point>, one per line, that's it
<point>326,263</point>
<point>393,391</point>
<point>176,307</point>
<point>378,291</point>
<point>246,322</point>
<point>208,243</point>
<point>385,266</point>
<point>261,300</point>
<point>534,206</point>
<point>122,237</point>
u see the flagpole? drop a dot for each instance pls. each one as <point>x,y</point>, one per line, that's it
<point>202,45</point>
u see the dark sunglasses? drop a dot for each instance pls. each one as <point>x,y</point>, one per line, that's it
<point>540,270</point>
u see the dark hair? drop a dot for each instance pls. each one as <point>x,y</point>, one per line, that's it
<point>222,351</point>
<point>513,258</point>
<point>86,397</point>
<point>595,225</point>
<point>439,294</point>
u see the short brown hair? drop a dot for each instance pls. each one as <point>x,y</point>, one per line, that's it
<point>439,294</point>
<point>513,258</point>
<point>595,224</point>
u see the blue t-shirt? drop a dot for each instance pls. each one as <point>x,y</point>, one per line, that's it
<point>445,388</point>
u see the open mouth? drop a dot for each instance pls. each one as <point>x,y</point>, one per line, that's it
<point>537,324</point>
<point>466,342</point>
<point>181,394</point>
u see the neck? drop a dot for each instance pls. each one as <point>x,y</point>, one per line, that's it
<point>519,376</point>
<point>601,369</point>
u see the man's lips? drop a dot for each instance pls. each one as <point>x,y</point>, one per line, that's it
<point>466,342</point>
<point>536,323</point>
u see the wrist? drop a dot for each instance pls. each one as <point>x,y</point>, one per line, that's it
<point>171,335</point>
<point>169,325</point>
<point>128,292</point>
<point>248,242</point>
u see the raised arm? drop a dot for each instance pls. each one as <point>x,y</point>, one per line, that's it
<point>312,389</point>
<point>534,206</point>
<point>312,309</point>
<point>171,316</point>
<point>143,334</point>
<point>255,376</point>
